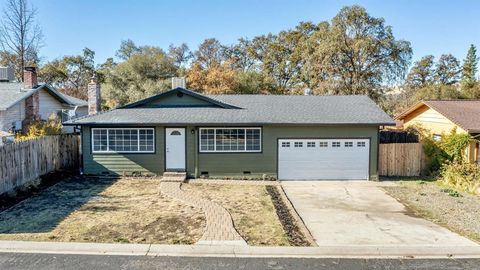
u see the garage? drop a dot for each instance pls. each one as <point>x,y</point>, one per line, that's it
<point>323,159</point>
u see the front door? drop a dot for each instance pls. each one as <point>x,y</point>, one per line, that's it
<point>175,149</point>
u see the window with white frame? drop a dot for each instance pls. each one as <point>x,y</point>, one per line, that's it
<point>348,144</point>
<point>310,144</point>
<point>298,144</point>
<point>335,144</point>
<point>230,140</point>
<point>323,144</point>
<point>285,144</point>
<point>360,144</point>
<point>123,140</point>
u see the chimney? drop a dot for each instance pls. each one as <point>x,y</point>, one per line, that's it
<point>30,78</point>
<point>93,96</point>
<point>178,82</point>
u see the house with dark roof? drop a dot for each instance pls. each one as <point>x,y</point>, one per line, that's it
<point>23,103</point>
<point>442,116</point>
<point>238,136</point>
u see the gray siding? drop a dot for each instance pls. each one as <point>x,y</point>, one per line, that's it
<point>225,164</point>
<point>12,114</point>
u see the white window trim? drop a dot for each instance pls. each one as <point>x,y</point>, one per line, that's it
<point>228,151</point>
<point>108,146</point>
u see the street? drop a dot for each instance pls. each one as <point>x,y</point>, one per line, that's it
<point>25,261</point>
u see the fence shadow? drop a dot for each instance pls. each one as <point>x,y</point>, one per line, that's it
<point>44,211</point>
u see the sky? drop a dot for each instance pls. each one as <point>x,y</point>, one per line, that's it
<point>432,27</point>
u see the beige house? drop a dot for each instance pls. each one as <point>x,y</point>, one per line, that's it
<point>441,116</point>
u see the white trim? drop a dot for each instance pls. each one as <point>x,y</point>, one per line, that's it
<point>110,151</point>
<point>228,151</point>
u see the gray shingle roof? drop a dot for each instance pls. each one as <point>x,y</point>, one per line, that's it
<point>13,92</point>
<point>254,109</point>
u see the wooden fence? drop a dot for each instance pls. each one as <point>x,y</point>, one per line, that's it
<point>401,159</point>
<point>25,161</point>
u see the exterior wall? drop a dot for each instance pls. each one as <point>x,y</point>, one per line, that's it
<point>174,100</point>
<point>12,114</point>
<point>437,124</point>
<point>48,105</point>
<point>223,164</point>
<point>430,119</point>
<point>123,163</point>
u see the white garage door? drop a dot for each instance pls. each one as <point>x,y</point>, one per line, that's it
<point>322,159</point>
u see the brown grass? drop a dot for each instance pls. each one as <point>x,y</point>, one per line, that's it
<point>251,208</point>
<point>455,210</point>
<point>103,210</point>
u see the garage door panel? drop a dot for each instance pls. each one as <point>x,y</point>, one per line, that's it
<point>349,160</point>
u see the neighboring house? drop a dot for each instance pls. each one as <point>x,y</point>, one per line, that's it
<point>22,103</point>
<point>287,137</point>
<point>442,116</point>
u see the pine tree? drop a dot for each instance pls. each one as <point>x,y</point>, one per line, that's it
<point>469,69</point>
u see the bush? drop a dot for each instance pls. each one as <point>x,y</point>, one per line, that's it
<point>461,175</point>
<point>53,126</point>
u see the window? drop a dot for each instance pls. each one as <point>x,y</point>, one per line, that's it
<point>348,144</point>
<point>323,144</point>
<point>310,144</point>
<point>285,144</point>
<point>298,144</point>
<point>123,140</point>
<point>335,144</point>
<point>360,144</point>
<point>230,140</point>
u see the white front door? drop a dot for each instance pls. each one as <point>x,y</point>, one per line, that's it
<point>323,159</point>
<point>175,149</point>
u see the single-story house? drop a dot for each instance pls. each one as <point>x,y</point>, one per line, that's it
<point>280,136</point>
<point>24,102</point>
<point>442,116</point>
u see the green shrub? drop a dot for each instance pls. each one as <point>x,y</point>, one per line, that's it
<point>461,175</point>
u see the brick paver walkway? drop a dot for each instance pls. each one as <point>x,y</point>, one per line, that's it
<point>219,227</point>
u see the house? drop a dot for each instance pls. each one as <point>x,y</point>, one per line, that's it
<point>286,137</point>
<point>23,103</point>
<point>442,116</point>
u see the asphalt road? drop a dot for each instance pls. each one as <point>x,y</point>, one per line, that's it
<point>26,261</point>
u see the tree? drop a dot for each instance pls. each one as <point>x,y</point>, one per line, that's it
<point>447,70</point>
<point>358,53</point>
<point>20,36</point>
<point>181,54</point>
<point>422,73</point>
<point>144,72</point>
<point>469,69</point>
<point>70,74</point>
<point>127,49</point>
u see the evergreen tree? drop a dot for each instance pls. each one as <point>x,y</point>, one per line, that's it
<point>469,69</point>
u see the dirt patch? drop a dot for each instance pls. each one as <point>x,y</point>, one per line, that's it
<point>251,209</point>
<point>87,209</point>
<point>458,211</point>
<point>295,235</point>
<point>21,193</point>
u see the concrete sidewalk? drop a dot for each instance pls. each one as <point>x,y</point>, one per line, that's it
<point>415,251</point>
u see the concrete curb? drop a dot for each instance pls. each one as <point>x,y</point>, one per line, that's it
<point>241,251</point>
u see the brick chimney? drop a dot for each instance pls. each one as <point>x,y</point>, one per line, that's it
<point>93,96</point>
<point>32,104</point>
<point>30,78</point>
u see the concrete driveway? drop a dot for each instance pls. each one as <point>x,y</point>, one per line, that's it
<point>350,213</point>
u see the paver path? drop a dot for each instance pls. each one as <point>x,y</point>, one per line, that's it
<point>219,227</point>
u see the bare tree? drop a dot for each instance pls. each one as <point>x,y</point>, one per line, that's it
<point>20,35</point>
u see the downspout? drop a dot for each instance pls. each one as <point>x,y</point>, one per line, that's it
<point>196,151</point>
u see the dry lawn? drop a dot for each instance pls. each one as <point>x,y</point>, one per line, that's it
<point>458,211</point>
<point>251,208</point>
<point>86,209</point>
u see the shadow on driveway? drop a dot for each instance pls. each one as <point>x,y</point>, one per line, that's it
<point>44,211</point>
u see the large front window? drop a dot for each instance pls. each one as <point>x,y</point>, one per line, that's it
<point>230,140</point>
<point>123,140</point>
